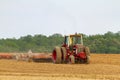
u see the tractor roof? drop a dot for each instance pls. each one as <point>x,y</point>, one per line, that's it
<point>75,35</point>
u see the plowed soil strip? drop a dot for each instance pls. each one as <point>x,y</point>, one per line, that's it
<point>102,67</point>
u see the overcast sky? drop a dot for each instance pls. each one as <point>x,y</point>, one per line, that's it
<point>23,17</point>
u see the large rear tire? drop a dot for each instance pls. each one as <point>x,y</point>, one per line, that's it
<point>64,53</point>
<point>87,51</point>
<point>57,55</point>
<point>71,59</point>
<point>88,60</point>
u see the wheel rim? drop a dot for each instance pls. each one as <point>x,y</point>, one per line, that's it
<point>54,56</point>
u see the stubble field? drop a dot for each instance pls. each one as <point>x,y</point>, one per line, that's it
<point>102,67</point>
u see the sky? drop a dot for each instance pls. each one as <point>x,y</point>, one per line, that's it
<point>29,17</point>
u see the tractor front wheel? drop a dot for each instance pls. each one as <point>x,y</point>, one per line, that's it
<point>71,59</point>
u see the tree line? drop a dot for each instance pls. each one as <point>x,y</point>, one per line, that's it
<point>106,43</point>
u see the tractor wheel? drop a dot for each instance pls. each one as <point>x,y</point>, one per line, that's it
<point>71,59</point>
<point>64,52</point>
<point>87,51</point>
<point>57,55</point>
<point>88,60</point>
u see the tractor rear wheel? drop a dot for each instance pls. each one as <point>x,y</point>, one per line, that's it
<point>64,52</point>
<point>57,55</point>
<point>87,51</point>
<point>88,60</point>
<point>71,59</point>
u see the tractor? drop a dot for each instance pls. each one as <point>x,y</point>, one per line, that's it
<point>72,51</point>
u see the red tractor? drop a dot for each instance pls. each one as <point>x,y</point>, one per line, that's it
<point>72,51</point>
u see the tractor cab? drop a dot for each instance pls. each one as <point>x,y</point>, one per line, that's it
<point>73,42</point>
<point>73,39</point>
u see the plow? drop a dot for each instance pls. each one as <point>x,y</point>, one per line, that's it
<point>28,57</point>
<point>34,57</point>
<point>6,56</point>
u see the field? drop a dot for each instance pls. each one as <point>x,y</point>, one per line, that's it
<point>102,67</point>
